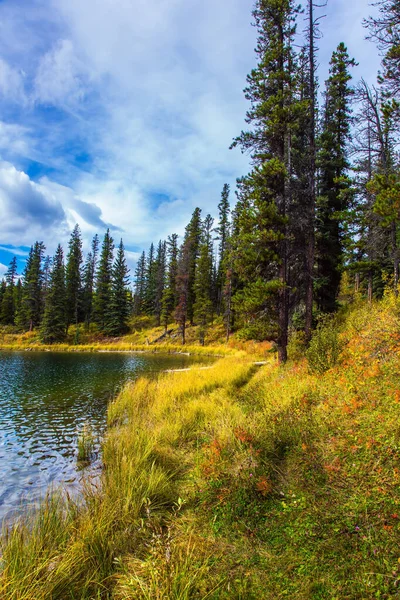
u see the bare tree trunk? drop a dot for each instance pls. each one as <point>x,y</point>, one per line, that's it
<point>395,259</point>
<point>310,250</point>
<point>357,283</point>
<point>370,287</point>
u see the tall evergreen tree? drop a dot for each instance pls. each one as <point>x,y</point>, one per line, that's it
<point>160,280</point>
<point>271,91</point>
<point>31,309</point>
<point>203,281</point>
<point>222,236</point>
<point>182,287</point>
<point>333,165</point>
<point>103,282</point>
<point>119,310</point>
<point>140,285</point>
<point>53,327</point>
<point>8,302</point>
<point>169,298</point>
<point>89,271</point>
<point>193,235</point>
<point>150,282</point>
<point>73,275</point>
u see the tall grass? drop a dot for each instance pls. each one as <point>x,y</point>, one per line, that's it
<point>236,483</point>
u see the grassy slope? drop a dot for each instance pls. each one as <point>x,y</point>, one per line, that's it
<point>237,482</point>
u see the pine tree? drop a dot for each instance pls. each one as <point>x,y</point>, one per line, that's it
<point>160,280</point>
<point>53,327</point>
<point>119,310</point>
<point>273,116</point>
<point>222,236</point>
<point>30,312</point>
<point>89,271</point>
<point>333,165</point>
<point>203,281</point>
<point>182,287</point>
<point>7,305</point>
<point>150,283</point>
<point>103,282</point>
<point>193,235</point>
<point>169,299</point>
<point>73,275</point>
<point>140,285</point>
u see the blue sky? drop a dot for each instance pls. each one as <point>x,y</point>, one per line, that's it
<point>120,113</point>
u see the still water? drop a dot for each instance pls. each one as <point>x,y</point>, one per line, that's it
<point>45,400</point>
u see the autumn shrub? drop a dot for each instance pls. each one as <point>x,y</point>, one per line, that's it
<point>325,347</point>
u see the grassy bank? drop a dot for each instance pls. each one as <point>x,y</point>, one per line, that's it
<point>236,482</point>
<point>143,338</point>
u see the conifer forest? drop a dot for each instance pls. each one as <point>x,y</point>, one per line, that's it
<point>321,199</point>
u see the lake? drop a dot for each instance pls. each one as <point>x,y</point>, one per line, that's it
<point>45,400</point>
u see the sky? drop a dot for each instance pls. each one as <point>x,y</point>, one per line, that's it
<point>120,113</point>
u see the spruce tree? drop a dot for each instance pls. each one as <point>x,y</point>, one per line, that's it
<point>203,281</point>
<point>89,271</point>
<point>182,287</point>
<point>8,301</point>
<point>272,92</point>
<point>150,283</point>
<point>103,282</point>
<point>160,280</point>
<point>119,310</point>
<point>31,309</point>
<point>140,285</point>
<point>193,235</point>
<point>333,165</point>
<point>222,236</point>
<point>169,298</point>
<point>73,275</point>
<point>53,327</point>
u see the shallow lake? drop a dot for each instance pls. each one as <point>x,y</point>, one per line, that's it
<point>45,400</point>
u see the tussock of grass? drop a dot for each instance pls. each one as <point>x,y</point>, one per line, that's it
<point>236,483</point>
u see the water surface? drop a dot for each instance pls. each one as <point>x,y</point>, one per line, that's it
<point>45,400</point>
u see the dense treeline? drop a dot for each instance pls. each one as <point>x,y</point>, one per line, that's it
<point>322,197</point>
<point>52,293</point>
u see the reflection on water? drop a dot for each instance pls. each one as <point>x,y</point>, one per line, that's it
<point>45,399</point>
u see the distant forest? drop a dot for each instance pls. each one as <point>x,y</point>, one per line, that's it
<point>322,198</point>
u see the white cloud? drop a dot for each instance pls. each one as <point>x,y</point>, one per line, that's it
<point>153,95</point>
<point>3,270</point>
<point>60,77</point>
<point>11,83</point>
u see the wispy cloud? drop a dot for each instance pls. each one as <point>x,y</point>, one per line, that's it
<point>120,112</point>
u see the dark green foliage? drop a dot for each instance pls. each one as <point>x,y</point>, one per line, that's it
<point>31,308</point>
<point>53,327</point>
<point>203,305</point>
<point>8,300</point>
<point>104,282</point>
<point>170,297</point>
<point>140,285</point>
<point>267,191</point>
<point>89,271</point>
<point>73,275</point>
<point>333,163</point>
<point>119,309</point>
<point>160,272</point>
<point>222,236</point>
<point>150,283</point>
<point>193,235</point>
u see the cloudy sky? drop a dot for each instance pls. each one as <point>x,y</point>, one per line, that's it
<point>120,113</point>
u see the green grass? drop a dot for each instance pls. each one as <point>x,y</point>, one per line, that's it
<point>236,482</point>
